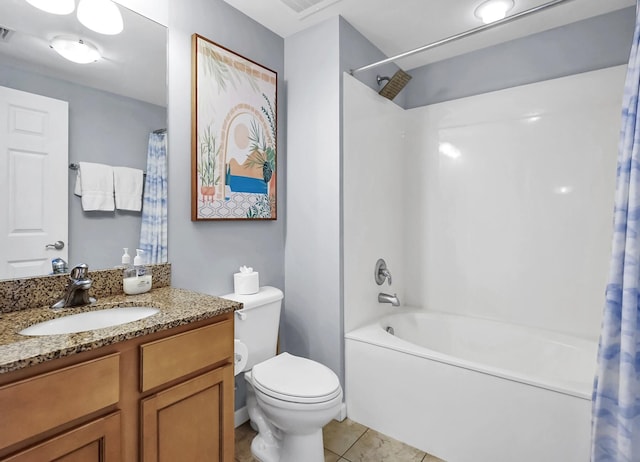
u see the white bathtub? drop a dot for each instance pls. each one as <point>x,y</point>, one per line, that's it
<point>467,389</point>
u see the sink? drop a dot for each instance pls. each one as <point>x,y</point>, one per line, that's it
<point>90,320</point>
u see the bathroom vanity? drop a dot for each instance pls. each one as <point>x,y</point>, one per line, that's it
<point>160,388</point>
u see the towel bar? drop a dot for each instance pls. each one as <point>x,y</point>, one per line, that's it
<point>74,166</point>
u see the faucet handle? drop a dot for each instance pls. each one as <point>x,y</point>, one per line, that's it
<point>381,272</point>
<point>79,272</point>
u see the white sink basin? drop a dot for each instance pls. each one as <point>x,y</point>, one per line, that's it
<point>90,320</point>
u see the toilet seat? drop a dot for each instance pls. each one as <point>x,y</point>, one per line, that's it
<point>296,380</point>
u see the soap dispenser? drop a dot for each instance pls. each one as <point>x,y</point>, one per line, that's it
<point>136,280</point>
<point>137,263</point>
<point>126,258</point>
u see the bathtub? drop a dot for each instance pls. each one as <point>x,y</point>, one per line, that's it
<point>467,389</point>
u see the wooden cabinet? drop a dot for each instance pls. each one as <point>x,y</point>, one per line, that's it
<point>163,396</point>
<point>97,441</point>
<point>189,421</point>
<point>46,401</point>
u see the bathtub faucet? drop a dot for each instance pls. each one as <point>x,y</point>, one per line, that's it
<point>386,298</point>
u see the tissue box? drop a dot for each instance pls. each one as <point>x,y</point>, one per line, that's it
<point>246,283</point>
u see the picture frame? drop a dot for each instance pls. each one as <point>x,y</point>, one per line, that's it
<point>233,135</point>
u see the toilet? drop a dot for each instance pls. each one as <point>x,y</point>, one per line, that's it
<point>289,398</point>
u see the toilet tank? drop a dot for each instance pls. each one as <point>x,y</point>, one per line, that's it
<point>257,323</point>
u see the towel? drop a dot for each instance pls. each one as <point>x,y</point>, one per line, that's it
<point>94,183</point>
<point>128,186</point>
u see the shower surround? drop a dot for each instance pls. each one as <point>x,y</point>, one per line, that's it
<point>494,206</point>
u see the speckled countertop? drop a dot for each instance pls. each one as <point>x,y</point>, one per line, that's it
<point>177,307</point>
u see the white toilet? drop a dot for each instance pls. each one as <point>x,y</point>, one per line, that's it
<point>289,398</point>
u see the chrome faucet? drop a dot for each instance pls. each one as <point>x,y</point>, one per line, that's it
<point>77,291</point>
<point>386,298</point>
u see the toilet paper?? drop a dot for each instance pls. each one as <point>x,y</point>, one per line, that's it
<point>246,282</point>
<point>240,356</point>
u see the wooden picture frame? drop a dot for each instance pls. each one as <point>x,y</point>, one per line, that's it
<point>233,135</point>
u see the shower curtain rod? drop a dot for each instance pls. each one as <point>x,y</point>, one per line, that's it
<point>461,35</point>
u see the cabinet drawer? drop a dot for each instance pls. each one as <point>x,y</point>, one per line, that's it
<point>40,403</point>
<point>97,441</point>
<point>171,358</point>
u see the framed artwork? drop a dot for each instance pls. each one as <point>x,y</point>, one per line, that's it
<point>233,135</point>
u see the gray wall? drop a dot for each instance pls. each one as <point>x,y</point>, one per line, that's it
<point>315,60</point>
<point>205,254</point>
<point>312,319</point>
<point>356,51</point>
<point>105,128</point>
<point>587,45</point>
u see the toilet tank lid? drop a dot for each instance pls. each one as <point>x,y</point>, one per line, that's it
<point>265,295</point>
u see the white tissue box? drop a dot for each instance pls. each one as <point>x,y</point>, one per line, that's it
<point>246,283</point>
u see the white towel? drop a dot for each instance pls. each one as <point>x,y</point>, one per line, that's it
<point>128,184</point>
<point>94,183</point>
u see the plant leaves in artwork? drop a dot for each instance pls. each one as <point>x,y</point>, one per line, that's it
<point>208,158</point>
<point>224,73</point>
<point>261,209</point>
<point>270,115</point>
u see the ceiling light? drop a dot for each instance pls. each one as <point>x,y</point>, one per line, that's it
<point>54,6</point>
<point>76,50</point>
<point>493,10</point>
<point>102,16</point>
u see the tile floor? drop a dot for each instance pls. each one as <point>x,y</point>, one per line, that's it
<point>346,441</point>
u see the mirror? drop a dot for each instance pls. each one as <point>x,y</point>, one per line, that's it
<point>114,104</point>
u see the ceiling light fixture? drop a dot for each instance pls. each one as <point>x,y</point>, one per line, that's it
<point>102,16</point>
<point>54,6</point>
<point>493,10</point>
<point>75,50</point>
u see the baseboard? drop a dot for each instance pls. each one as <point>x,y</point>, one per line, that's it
<point>240,416</point>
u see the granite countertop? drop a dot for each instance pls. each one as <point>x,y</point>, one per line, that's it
<point>177,307</point>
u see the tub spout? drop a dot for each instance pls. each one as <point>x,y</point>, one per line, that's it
<point>386,298</point>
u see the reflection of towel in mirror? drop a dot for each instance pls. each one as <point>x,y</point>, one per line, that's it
<point>128,186</point>
<point>94,183</point>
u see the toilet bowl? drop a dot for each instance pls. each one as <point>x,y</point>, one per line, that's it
<point>289,398</point>
<point>295,397</point>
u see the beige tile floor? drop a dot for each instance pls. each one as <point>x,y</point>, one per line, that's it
<point>346,441</point>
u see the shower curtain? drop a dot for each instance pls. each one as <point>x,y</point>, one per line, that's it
<point>616,395</point>
<point>153,232</point>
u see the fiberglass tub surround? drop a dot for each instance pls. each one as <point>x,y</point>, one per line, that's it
<point>505,221</point>
<point>462,400</point>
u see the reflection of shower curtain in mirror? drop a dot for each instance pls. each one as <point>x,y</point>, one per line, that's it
<point>153,232</point>
<point>616,397</point>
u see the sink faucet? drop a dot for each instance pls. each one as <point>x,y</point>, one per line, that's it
<point>386,298</point>
<point>77,291</point>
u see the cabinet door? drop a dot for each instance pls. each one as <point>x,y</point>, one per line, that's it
<point>190,421</point>
<point>97,441</point>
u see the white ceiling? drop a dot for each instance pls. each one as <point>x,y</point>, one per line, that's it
<point>396,26</point>
<point>133,64</point>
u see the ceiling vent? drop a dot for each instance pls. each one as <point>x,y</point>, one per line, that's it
<point>305,8</point>
<point>5,34</point>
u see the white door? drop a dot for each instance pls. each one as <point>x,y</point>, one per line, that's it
<point>34,143</point>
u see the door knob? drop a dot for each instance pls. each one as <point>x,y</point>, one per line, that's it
<point>58,245</point>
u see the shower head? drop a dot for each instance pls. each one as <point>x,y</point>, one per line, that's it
<point>394,84</point>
